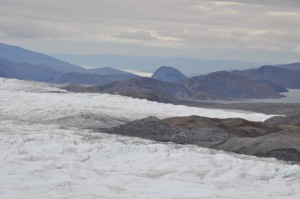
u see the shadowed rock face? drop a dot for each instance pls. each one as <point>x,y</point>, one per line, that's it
<point>265,139</point>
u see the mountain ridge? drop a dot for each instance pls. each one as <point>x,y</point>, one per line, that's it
<point>281,76</point>
<point>167,84</point>
<point>168,74</point>
<point>197,88</point>
<point>291,66</point>
<point>20,55</point>
<point>225,85</point>
<point>20,63</point>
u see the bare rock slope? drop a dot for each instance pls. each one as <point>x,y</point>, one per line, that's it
<point>277,137</point>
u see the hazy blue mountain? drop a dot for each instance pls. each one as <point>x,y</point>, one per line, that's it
<point>40,73</point>
<point>20,55</point>
<point>168,74</point>
<point>188,66</point>
<point>214,86</point>
<point>292,66</point>
<point>26,71</point>
<point>272,85</point>
<point>19,63</point>
<point>224,85</point>
<point>284,77</point>
<point>264,82</point>
<point>107,71</point>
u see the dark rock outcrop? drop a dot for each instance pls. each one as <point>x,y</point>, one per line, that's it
<point>236,126</point>
<point>154,129</point>
<point>263,139</point>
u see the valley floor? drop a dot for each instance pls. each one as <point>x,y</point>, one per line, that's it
<point>48,150</point>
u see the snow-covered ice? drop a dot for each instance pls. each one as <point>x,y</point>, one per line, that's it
<point>45,152</point>
<point>35,102</point>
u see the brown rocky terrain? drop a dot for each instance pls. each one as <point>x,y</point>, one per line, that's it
<point>277,137</point>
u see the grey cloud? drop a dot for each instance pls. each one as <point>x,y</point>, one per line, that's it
<point>269,3</point>
<point>32,28</point>
<point>176,27</point>
<point>137,35</point>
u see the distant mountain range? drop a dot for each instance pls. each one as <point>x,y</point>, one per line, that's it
<point>16,62</point>
<point>214,86</point>
<point>26,71</point>
<point>189,66</point>
<point>167,84</point>
<point>279,75</point>
<point>224,85</point>
<point>20,55</point>
<point>292,66</point>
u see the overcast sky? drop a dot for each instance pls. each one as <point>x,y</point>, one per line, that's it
<point>249,30</point>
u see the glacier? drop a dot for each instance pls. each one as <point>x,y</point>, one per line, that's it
<point>49,150</point>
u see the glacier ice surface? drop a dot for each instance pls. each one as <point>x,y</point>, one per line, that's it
<point>47,152</point>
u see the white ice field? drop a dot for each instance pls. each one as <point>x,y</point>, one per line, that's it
<point>48,151</point>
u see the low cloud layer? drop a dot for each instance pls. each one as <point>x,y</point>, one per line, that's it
<point>138,35</point>
<point>249,30</point>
